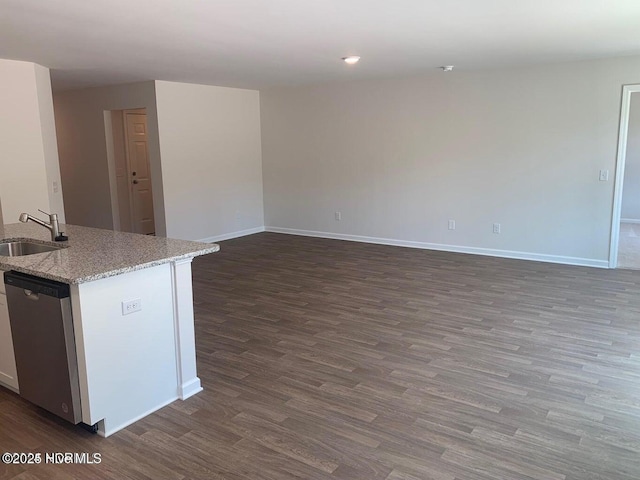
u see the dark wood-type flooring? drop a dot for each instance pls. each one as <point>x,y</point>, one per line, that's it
<point>324,359</point>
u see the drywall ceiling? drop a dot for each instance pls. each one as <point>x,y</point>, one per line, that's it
<point>262,43</point>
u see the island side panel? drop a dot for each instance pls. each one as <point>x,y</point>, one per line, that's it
<point>8,373</point>
<point>127,363</point>
<point>188,381</point>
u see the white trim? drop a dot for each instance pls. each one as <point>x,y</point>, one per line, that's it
<point>176,324</point>
<point>81,357</point>
<point>586,262</point>
<point>189,389</point>
<point>7,381</point>
<point>229,236</point>
<point>627,90</point>
<point>184,330</point>
<point>103,432</point>
<point>629,220</point>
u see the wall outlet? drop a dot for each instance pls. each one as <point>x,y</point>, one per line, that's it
<point>338,216</point>
<point>452,224</point>
<point>55,187</point>
<point>604,175</point>
<point>131,306</point>
<point>496,228</point>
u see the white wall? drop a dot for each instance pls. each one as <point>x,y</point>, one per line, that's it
<point>211,160</point>
<point>28,153</point>
<point>204,145</point>
<point>631,187</point>
<point>399,158</point>
<point>82,144</point>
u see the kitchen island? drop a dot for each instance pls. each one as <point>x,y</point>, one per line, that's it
<point>130,363</point>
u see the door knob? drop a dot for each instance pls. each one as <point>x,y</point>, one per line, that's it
<point>135,182</point>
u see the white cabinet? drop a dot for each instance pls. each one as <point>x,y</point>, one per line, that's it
<point>8,375</point>
<point>132,364</point>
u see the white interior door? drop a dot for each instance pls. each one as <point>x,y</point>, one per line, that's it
<point>139,173</point>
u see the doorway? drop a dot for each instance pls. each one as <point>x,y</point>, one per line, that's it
<point>130,172</point>
<point>625,230</point>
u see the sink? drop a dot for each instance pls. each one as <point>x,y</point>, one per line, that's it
<point>19,248</point>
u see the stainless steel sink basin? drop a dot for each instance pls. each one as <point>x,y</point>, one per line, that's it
<point>23,247</point>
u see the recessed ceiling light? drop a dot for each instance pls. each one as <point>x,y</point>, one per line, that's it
<point>351,60</point>
<point>447,68</point>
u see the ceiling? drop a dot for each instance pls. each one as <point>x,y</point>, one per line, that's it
<point>264,43</point>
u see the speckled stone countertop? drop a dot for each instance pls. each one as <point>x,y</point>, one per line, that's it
<point>92,254</point>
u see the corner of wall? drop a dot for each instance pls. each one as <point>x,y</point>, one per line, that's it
<point>210,150</point>
<point>49,141</point>
<point>155,157</point>
<point>23,150</point>
<point>83,149</point>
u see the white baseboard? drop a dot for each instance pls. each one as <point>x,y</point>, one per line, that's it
<point>629,220</point>
<point>585,262</point>
<point>8,382</point>
<point>229,236</point>
<point>190,388</point>
<point>103,431</point>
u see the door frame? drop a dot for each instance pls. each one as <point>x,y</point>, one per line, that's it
<point>134,111</point>
<point>625,109</point>
<point>111,162</point>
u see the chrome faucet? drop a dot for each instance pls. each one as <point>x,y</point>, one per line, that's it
<point>53,226</point>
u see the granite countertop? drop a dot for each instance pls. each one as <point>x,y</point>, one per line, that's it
<point>92,254</point>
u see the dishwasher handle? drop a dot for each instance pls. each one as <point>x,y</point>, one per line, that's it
<point>36,285</point>
<point>31,295</point>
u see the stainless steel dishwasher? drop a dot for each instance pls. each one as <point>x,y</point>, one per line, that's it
<point>44,343</point>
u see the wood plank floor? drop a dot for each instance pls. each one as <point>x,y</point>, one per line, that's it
<point>629,246</point>
<point>324,359</point>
